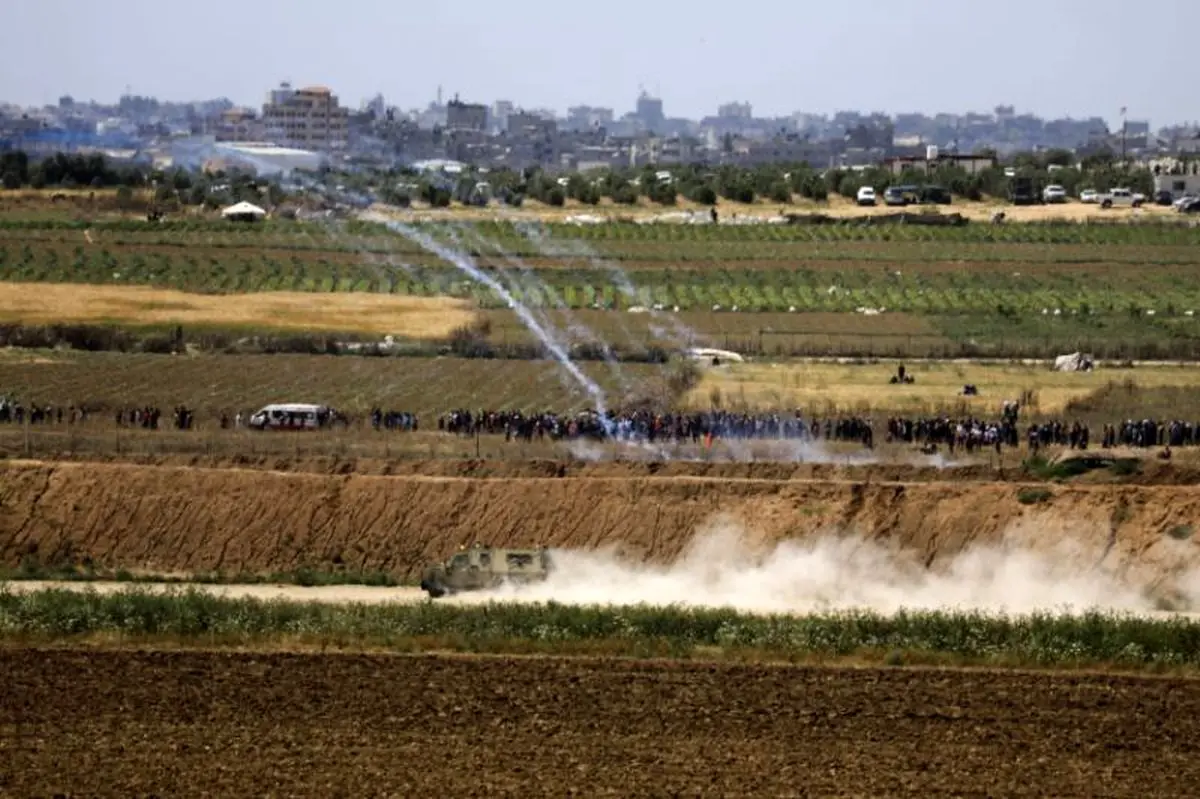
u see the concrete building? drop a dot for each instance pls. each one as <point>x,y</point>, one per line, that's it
<point>1177,176</point>
<point>308,119</point>
<point>650,112</point>
<point>735,111</point>
<point>525,123</point>
<point>466,116</point>
<point>239,124</point>
<point>933,160</point>
<point>499,117</point>
<point>266,159</point>
<point>583,117</point>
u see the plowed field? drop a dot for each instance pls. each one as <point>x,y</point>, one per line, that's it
<point>121,723</point>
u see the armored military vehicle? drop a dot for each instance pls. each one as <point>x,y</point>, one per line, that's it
<point>478,568</point>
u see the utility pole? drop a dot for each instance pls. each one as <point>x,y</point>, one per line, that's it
<point>1124,128</point>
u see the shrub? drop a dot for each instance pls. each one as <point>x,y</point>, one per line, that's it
<point>705,195</point>
<point>1034,496</point>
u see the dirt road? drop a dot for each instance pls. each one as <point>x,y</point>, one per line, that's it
<point>121,723</point>
<point>335,594</point>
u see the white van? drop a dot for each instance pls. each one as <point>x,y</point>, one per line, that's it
<point>291,416</point>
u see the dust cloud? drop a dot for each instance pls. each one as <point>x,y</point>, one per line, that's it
<point>724,567</point>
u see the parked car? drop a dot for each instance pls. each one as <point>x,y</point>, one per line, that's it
<point>1192,206</point>
<point>1089,196</point>
<point>1164,197</point>
<point>894,195</point>
<point>1054,193</point>
<point>1121,197</point>
<point>934,195</point>
<point>866,196</point>
<point>294,416</point>
<point>1184,200</point>
<point>1022,190</point>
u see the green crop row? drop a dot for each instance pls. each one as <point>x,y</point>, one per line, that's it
<point>518,236</point>
<point>1168,291</point>
<point>1050,640</point>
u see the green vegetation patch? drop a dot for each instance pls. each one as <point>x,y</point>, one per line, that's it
<point>1037,639</point>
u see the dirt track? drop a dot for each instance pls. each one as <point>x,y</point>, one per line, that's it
<point>110,723</point>
<point>180,519</point>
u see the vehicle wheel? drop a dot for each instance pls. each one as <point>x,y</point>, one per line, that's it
<point>1106,204</point>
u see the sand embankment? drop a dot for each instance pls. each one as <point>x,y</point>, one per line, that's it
<point>180,519</point>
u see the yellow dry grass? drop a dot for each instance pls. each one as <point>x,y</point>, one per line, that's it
<point>851,388</point>
<point>408,317</point>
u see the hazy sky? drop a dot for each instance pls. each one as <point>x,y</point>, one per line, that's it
<point>1051,57</point>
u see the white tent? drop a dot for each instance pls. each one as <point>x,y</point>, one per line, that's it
<point>243,210</point>
<point>1075,362</point>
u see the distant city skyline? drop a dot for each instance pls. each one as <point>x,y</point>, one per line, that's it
<point>1067,58</point>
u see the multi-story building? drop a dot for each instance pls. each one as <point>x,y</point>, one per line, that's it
<point>466,116</point>
<point>735,111</point>
<point>583,117</point>
<point>308,119</point>
<point>239,124</point>
<point>525,123</point>
<point>650,111</point>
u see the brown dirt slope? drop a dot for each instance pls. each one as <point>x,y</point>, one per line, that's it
<point>158,723</point>
<point>179,519</point>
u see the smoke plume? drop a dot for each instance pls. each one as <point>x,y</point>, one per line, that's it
<point>725,567</point>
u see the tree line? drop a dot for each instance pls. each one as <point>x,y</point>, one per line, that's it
<point>777,182</point>
<point>176,186</point>
<point>662,184</point>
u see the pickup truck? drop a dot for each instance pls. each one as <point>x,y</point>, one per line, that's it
<point>1121,197</point>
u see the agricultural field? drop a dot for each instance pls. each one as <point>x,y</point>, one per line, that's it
<point>211,385</point>
<point>403,316</point>
<point>305,724</point>
<point>214,384</point>
<point>1115,289</point>
<point>864,388</point>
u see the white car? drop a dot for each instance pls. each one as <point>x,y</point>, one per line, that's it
<point>1054,194</point>
<point>866,196</point>
<point>1121,197</point>
<point>1089,196</point>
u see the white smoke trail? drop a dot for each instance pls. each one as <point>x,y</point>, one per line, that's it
<point>723,567</point>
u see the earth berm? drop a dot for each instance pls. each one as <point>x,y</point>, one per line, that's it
<point>178,519</point>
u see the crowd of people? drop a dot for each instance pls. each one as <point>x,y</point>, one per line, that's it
<point>402,421</point>
<point>147,417</point>
<point>929,433</point>
<point>969,434</point>
<point>14,412</point>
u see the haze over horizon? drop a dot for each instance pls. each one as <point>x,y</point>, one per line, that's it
<point>1063,58</point>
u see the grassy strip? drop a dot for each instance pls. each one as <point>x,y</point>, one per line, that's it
<point>31,568</point>
<point>963,638</point>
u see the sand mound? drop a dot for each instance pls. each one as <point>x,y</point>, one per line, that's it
<point>178,519</point>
